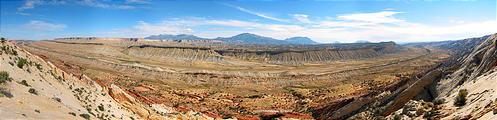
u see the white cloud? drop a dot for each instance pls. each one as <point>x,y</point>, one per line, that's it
<point>22,13</point>
<point>379,17</point>
<point>125,7</point>
<point>138,2</point>
<point>256,13</point>
<point>96,3</point>
<point>43,26</point>
<point>302,18</point>
<point>456,21</point>
<point>30,4</point>
<point>143,29</point>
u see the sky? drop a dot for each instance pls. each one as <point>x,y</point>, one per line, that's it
<point>322,21</point>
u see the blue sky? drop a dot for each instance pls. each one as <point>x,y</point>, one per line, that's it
<point>322,21</point>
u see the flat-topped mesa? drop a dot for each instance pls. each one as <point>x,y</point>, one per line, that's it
<point>97,38</point>
<point>322,54</point>
<point>270,54</point>
<point>125,42</point>
<point>76,38</point>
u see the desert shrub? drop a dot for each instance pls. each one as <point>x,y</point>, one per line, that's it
<point>4,77</point>
<point>431,114</point>
<point>38,66</point>
<point>60,79</point>
<point>11,63</point>
<point>57,99</point>
<point>7,93</point>
<point>438,101</point>
<point>14,52</point>
<point>32,91</point>
<point>428,105</point>
<point>21,62</point>
<point>461,98</point>
<point>2,40</point>
<point>101,107</point>
<point>72,113</point>
<point>397,117</point>
<point>85,116</point>
<point>23,82</point>
<point>4,48</point>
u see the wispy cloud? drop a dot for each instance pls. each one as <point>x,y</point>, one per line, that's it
<point>96,3</point>
<point>36,25</point>
<point>22,13</point>
<point>302,18</point>
<point>30,4</point>
<point>378,17</point>
<point>137,2</point>
<point>255,13</point>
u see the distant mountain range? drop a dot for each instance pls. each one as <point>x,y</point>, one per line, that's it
<point>244,38</point>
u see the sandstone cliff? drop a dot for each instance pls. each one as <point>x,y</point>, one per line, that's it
<point>33,88</point>
<point>465,90</point>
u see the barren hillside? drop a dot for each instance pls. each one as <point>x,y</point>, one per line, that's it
<point>461,88</point>
<point>34,88</point>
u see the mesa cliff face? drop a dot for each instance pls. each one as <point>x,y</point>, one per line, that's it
<point>319,54</point>
<point>466,88</point>
<point>299,56</point>
<point>179,53</point>
<point>475,73</point>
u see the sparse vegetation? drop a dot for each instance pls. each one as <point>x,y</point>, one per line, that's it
<point>431,114</point>
<point>33,91</point>
<point>38,66</point>
<point>428,105</point>
<point>85,116</point>
<point>101,107</point>
<point>14,52</point>
<point>438,101</point>
<point>2,40</point>
<point>72,113</point>
<point>286,86</point>
<point>5,48</point>
<point>461,98</point>
<point>5,93</point>
<point>4,77</point>
<point>21,62</point>
<point>25,83</point>
<point>57,99</point>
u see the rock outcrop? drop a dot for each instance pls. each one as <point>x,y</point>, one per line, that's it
<point>475,74</point>
<point>39,90</point>
<point>31,87</point>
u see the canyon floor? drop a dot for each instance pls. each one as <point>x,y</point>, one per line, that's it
<point>242,81</point>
